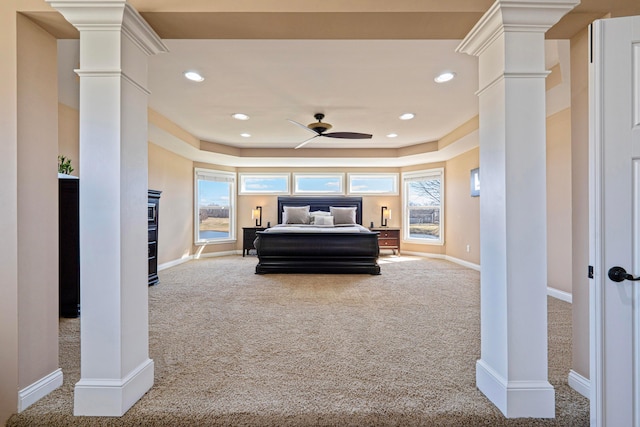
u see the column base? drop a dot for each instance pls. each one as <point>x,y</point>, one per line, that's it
<point>516,399</point>
<point>112,398</point>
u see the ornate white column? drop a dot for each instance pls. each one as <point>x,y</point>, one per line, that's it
<point>114,44</point>
<point>509,42</point>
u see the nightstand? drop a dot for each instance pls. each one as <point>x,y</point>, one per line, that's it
<point>248,236</point>
<point>389,238</point>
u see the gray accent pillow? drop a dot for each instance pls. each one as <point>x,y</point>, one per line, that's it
<point>295,215</point>
<point>343,215</point>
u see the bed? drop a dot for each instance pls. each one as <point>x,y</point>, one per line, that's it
<point>342,248</point>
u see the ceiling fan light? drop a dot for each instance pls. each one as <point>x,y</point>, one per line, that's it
<point>194,76</point>
<point>240,116</point>
<point>445,77</point>
<point>392,135</point>
<point>407,116</point>
<point>319,126</point>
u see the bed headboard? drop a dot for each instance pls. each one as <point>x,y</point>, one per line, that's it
<point>320,203</point>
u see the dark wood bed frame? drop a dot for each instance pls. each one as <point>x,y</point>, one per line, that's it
<point>317,252</point>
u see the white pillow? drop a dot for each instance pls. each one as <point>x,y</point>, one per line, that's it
<point>313,215</point>
<point>323,220</point>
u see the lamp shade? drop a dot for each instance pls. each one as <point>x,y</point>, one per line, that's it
<point>385,215</point>
<point>257,215</point>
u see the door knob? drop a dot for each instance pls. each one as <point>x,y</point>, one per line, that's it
<point>619,274</point>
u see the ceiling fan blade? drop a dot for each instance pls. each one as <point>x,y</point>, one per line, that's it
<point>307,141</point>
<point>348,135</point>
<point>303,126</point>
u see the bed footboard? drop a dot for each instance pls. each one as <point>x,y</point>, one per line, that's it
<point>344,253</point>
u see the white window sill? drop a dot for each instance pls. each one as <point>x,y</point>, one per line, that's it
<point>424,242</point>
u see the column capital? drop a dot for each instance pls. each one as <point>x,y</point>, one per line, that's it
<point>116,15</point>
<point>533,16</point>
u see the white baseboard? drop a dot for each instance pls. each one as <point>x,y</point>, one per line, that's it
<point>424,254</point>
<point>561,295</point>
<point>516,399</point>
<point>36,391</point>
<point>463,262</point>
<point>445,257</point>
<point>175,262</point>
<point>217,254</point>
<point>580,384</point>
<point>112,397</point>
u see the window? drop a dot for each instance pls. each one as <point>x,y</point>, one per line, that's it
<point>424,206</point>
<point>215,206</point>
<point>318,183</point>
<point>373,183</point>
<point>264,183</point>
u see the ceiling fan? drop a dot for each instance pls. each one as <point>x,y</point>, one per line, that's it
<point>319,129</point>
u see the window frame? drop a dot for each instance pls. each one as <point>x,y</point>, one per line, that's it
<point>338,176</point>
<point>231,176</point>
<point>244,176</point>
<point>393,176</point>
<point>407,177</point>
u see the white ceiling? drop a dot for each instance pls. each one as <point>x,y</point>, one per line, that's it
<point>360,85</point>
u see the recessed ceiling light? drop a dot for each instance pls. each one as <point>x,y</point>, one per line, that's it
<point>445,77</point>
<point>392,135</point>
<point>245,135</point>
<point>240,116</point>
<point>407,116</point>
<point>194,76</point>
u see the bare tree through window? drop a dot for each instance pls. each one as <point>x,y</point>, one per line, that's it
<point>424,206</point>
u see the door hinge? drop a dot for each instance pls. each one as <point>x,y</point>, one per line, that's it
<point>591,272</point>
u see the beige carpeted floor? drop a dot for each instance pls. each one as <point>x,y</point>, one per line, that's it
<point>234,348</point>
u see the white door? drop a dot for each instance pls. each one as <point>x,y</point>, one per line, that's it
<point>615,221</point>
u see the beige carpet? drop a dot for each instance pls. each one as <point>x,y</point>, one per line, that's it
<point>234,348</point>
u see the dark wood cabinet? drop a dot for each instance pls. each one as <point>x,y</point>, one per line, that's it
<point>389,238</point>
<point>68,246</point>
<point>248,236</point>
<point>153,210</point>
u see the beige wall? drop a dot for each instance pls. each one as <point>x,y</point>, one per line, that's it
<point>173,175</point>
<point>462,222</point>
<point>8,213</point>
<point>37,191</point>
<point>371,205</point>
<point>559,201</point>
<point>580,199</point>
<point>69,136</point>
<point>371,208</point>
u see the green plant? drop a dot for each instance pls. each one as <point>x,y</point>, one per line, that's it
<point>64,165</point>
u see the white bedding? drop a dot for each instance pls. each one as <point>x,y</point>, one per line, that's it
<point>305,228</point>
